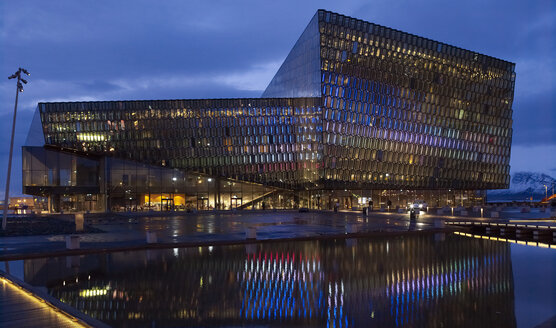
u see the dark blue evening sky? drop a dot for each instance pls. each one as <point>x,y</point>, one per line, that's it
<point>114,50</point>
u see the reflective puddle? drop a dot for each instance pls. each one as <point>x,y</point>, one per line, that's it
<point>426,280</point>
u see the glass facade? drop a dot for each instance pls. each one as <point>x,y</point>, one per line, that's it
<point>358,107</point>
<point>299,75</point>
<point>401,111</point>
<point>67,180</point>
<point>71,181</point>
<point>270,141</point>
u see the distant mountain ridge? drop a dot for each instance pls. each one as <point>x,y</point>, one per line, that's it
<point>523,186</point>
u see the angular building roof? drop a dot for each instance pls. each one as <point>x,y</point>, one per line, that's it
<point>354,104</point>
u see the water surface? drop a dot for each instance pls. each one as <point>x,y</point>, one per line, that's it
<point>418,280</point>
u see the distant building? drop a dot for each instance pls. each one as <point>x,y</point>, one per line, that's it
<point>356,112</point>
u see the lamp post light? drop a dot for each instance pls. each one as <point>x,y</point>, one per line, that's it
<point>546,192</point>
<point>19,88</point>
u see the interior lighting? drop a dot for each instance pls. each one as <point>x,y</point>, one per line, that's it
<point>93,292</point>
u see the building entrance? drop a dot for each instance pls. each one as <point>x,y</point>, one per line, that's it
<point>202,203</point>
<point>236,202</point>
<point>167,204</point>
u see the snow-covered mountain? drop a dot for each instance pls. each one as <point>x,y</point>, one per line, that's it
<point>523,186</point>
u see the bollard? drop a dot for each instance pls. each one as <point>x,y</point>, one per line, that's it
<point>494,214</point>
<point>72,242</point>
<point>251,233</point>
<point>151,237</point>
<point>79,221</point>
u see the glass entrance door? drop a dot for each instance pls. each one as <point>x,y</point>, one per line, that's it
<point>236,202</point>
<point>202,203</point>
<point>167,204</point>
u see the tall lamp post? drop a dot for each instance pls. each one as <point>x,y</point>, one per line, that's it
<point>19,89</point>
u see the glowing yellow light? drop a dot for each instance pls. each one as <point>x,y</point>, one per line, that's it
<point>527,243</point>
<point>93,292</point>
<point>72,321</point>
<point>90,137</point>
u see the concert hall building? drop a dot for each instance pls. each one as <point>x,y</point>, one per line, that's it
<point>356,112</point>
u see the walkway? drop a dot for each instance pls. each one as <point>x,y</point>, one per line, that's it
<point>213,227</point>
<point>227,227</point>
<point>19,309</point>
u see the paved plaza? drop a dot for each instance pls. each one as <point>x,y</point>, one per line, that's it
<point>129,231</point>
<point>206,227</point>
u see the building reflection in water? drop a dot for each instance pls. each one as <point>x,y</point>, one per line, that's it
<point>407,281</point>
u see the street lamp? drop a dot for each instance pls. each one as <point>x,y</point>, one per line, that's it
<point>19,88</point>
<point>546,192</point>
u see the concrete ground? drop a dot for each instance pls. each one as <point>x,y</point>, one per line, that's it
<point>123,232</point>
<point>214,227</point>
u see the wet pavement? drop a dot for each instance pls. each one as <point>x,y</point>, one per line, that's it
<point>203,227</point>
<point>217,227</point>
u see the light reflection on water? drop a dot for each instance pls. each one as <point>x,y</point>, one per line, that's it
<point>413,281</point>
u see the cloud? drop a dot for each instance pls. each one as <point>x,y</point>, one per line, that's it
<point>53,91</point>
<point>535,76</point>
<point>249,82</point>
<point>255,78</point>
<point>544,23</point>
